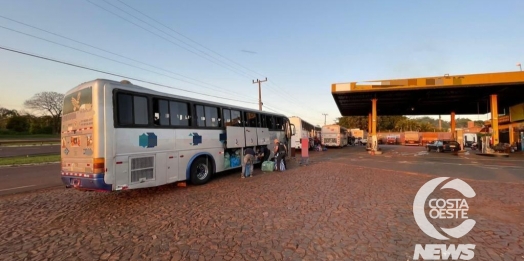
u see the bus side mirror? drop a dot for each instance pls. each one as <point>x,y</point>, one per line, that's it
<point>292,130</point>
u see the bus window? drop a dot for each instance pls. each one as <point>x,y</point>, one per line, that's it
<point>140,110</point>
<point>179,113</point>
<point>211,114</point>
<point>226,115</point>
<point>256,121</point>
<point>270,122</point>
<point>280,123</point>
<point>236,118</point>
<point>201,118</point>
<point>132,109</point>
<point>263,121</point>
<point>161,112</point>
<point>251,119</point>
<point>125,109</point>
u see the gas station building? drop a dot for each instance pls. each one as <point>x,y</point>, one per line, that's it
<point>448,94</point>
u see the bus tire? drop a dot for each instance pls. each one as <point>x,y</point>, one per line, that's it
<point>201,170</point>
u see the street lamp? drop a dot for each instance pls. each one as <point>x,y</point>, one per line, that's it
<point>520,66</point>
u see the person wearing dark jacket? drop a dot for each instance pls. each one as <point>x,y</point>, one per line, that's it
<point>264,153</point>
<point>280,154</point>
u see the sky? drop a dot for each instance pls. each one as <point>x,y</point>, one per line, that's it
<point>219,47</point>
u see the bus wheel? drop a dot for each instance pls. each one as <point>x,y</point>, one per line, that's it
<point>201,170</point>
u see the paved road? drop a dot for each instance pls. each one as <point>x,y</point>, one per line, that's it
<point>333,209</point>
<point>28,178</point>
<point>417,160</point>
<point>28,150</point>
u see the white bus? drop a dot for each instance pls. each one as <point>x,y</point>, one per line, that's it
<point>116,136</point>
<point>334,136</point>
<point>303,129</point>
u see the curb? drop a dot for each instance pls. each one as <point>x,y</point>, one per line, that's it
<point>494,154</point>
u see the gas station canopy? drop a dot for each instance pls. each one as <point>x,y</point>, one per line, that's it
<point>461,94</point>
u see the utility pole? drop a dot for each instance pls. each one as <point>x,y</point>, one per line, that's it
<point>260,93</point>
<point>439,123</point>
<point>325,114</point>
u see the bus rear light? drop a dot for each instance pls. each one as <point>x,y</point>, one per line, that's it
<point>98,165</point>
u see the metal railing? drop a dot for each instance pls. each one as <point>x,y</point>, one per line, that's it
<point>31,155</point>
<point>33,142</point>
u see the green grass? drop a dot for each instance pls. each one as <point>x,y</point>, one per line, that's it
<point>29,136</point>
<point>29,160</point>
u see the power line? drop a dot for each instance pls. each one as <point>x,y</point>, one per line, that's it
<point>116,54</point>
<point>123,76</point>
<point>131,59</point>
<point>166,33</point>
<point>241,73</point>
<point>138,11</point>
<point>73,48</point>
<point>189,38</point>
<point>61,36</point>
<point>171,35</point>
<point>119,75</point>
<point>234,70</point>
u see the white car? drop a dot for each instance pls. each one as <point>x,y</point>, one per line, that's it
<point>364,141</point>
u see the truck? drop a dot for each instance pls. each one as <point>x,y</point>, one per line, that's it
<point>426,137</point>
<point>410,138</point>
<point>444,135</point>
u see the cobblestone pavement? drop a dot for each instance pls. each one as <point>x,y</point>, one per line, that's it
<point>328,210</point>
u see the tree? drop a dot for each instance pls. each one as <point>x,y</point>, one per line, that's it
<point>387,123</point>
<point>479,123</point>
<point>427,127</point>
<point>18,123</point>
<point>353,122</point>
<point>5,115</point>
<point>408,125</point>
<point>384,123</point>
<point>48,102</point>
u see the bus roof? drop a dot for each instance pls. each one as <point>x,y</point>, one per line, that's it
<point>296,117</point>
<point>334,125</point>
<point>131,87</point>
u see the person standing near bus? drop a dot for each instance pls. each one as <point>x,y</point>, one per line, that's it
<point>247,163</point>
<point>263,153</point>
<point>280,154</point>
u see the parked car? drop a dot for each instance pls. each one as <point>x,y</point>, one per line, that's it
<point>391,140</point>
<point>443,145</point>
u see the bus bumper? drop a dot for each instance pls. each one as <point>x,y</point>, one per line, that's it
<point>86,181</point>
